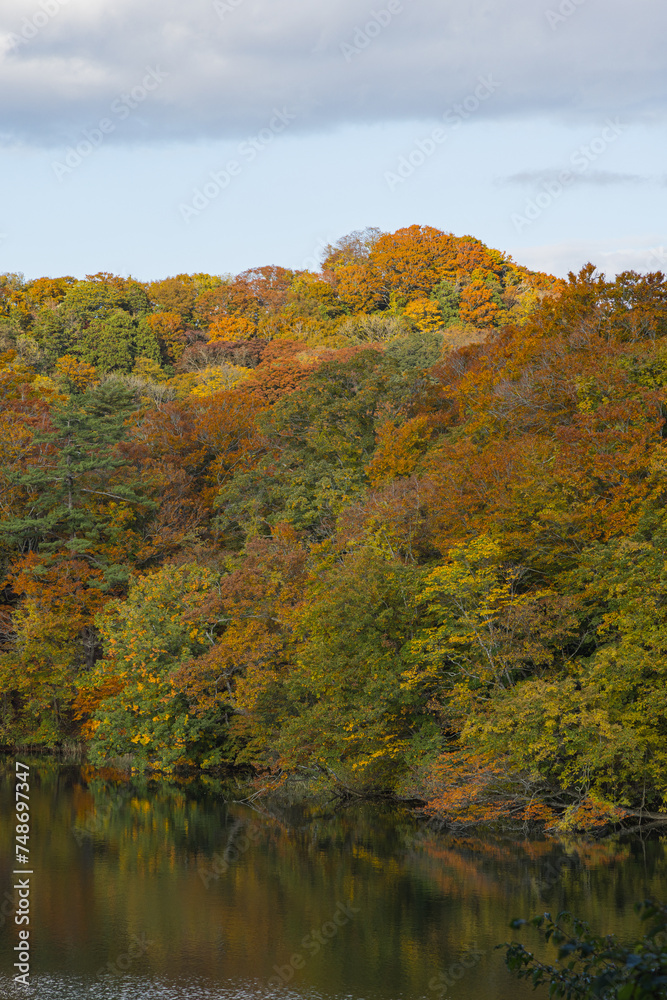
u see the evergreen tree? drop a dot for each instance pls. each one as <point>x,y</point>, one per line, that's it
<point>75,478</point>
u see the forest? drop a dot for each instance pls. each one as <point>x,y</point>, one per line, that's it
<point>398,526</point>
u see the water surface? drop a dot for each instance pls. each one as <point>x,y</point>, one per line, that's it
<point>161,890</point>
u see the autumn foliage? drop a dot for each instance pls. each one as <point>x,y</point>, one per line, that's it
<point>399,523</point>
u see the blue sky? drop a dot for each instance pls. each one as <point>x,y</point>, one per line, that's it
<point>152,138</point>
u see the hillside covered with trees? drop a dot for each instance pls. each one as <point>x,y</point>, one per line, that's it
<point>400,523</point>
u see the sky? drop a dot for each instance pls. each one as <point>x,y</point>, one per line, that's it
<point>157,137</point>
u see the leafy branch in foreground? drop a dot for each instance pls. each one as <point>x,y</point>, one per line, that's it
<point>593,966</point>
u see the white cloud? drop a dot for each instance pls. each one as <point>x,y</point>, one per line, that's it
<point>559,258</point>
<point>228,67</point>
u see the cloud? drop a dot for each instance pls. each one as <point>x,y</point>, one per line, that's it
<point>228,63</point>
<point>559,258</point>
<point>597,178</point>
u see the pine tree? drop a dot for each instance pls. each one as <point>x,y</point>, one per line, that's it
<point>74,476</point>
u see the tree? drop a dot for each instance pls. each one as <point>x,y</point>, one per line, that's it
<point>52,334</point>
<point>72,468</point>
<point>338,703</point>
<point>424,314</point>
<point>478,633</point>
<point>281,370</point>
<point>477,304</point>
<point>70,539</point>
<point>374,328</point>
<point>319,437</point>
<point>448,297</point>
<point>90,299</point>
<point>358,287</point>
<point>168,330</point>
<point>52,642</point>
<point>268,285</point>
<point>412,261</point>
<point>228,300</point>
<point>309,295</point>
<point>416,352</point>
<point>129,700</point>
<point>354,248</point>
<point>174,295</point>
<point>231,327</point>
<point>399,449</point>
<point>253,606</point>
<point>590,965</point>
<point>369,553</point>
<point>108,343</point>
<point>75,375</point>
<point>49,290</point>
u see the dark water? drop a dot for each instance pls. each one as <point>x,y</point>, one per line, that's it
<point>171,890</point>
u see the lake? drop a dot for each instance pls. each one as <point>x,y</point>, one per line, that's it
<point>159,889</point>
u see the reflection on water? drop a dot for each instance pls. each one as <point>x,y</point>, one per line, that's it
<point>172,890</point>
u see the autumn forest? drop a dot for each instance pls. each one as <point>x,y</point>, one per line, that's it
<point>398,526</point>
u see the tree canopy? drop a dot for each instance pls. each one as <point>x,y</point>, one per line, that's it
<point>400,522</point>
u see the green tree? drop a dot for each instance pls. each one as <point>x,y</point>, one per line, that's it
<point>342,704</point>
<point>74,480</point>
<point>319,440</point>
<point>416,352</point>
<point>52,334</point>
<point>135,707</point>
<point>590,965</point>
<point>448,297</point>
<point>112,343</point>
